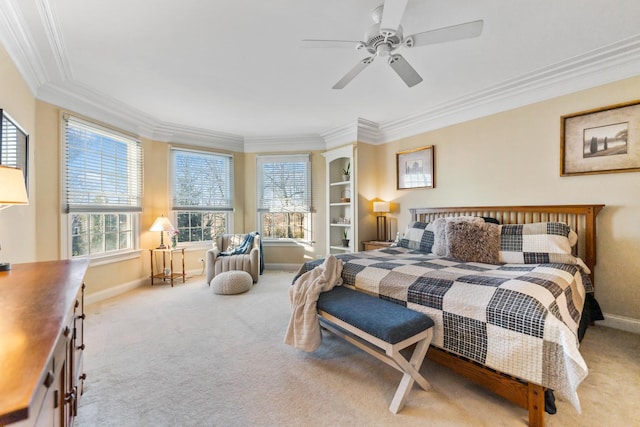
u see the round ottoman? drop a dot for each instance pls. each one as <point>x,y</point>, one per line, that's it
<point>231,282</point>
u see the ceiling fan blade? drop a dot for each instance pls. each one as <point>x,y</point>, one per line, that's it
<point>404,70</point>
<point>392,14</point>
<point>312,43</point>
<point>446,34</point>
<point>353,73</point>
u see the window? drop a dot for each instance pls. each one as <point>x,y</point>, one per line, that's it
<point>284,196</point>
<point>103,184</point>
<point>202,184</point>
<point>14,146</point>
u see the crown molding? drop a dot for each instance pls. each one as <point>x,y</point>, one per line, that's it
<point>607,64</point>
<point>20,46</point>
<point>263,144</point>
<point>171,132</point>
<point>54,36</point>
<point>368,131</point>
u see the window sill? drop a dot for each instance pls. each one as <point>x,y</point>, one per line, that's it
<point>193,247</point>
<point>111,258</point>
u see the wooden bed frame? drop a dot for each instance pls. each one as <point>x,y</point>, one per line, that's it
<point>582,219</point>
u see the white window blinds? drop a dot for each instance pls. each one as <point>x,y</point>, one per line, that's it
<point>202,180</point>
<point>103,168</point>
<point>284,183</point>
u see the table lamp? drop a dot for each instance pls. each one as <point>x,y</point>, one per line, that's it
<point>12,192</point>
<point>381,208</point>
<point>161,224</point>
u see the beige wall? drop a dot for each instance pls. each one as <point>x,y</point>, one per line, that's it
<point>513,158</point>
<point>18,223</point>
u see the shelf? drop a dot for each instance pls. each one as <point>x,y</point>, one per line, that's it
<point>340,183</point>
<point>333,224</point>
<point>341,248</point>
<point>340,204</point>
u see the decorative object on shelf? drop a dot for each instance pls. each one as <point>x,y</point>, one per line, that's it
<point>162,224</point>
<point>345,239</point>
<point>346,172</point>
<point>345,196</point>
<point>600,140</point>
<point>415,168</point>
<point>173,234</point>
<point>12,192</point>
<point>381,208</point>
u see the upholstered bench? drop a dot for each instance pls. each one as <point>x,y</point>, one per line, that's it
<point>382,329</point>
<point>231,282</point>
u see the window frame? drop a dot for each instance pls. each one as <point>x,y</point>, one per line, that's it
<point>177,209</point>
<point>133,210</point>
<point>261,211</point>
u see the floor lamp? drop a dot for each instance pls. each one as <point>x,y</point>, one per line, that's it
<point>381,208</point>
<point>12,192</point>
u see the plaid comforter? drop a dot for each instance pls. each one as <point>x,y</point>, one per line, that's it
<point>519,319</point>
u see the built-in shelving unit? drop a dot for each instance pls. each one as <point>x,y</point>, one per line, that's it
<point>341,201</point>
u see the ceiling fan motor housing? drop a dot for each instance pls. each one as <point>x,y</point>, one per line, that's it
<point>382,42</point>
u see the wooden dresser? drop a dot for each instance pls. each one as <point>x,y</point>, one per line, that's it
<point>41,342</point>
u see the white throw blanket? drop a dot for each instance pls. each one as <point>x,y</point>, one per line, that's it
<point>303,332</point>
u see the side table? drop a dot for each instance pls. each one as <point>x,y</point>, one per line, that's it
<point>375,244</point>
<point>167,272</point>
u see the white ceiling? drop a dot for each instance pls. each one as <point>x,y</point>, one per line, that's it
<point>233,73</point>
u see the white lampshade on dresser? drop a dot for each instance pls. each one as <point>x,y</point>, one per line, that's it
<point>13,191</point>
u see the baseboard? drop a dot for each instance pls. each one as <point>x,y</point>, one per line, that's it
<point>282,267</point>
<point>628,324</point>
<point>113,291</point>
<point>125,287</point>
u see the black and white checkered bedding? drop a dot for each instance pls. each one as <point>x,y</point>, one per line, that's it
<point>519,319</point>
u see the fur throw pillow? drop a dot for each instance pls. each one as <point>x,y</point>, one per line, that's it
<point>440,245</point>
<point>473,241</point>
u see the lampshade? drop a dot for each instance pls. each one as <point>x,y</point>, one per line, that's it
<point>381,207</point>
<point>161,223</point>
<point>12,188</point>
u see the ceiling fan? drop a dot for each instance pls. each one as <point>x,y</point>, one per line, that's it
<point>385,36</point>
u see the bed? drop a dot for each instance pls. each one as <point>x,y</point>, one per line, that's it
<point>512,327</point>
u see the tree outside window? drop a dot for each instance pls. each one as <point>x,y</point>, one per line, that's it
<point>284,196</point>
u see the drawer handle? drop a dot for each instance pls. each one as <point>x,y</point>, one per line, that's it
<point>80,347</point>
<point>82,377</point>
<point>82,316</point>
<point>66,331</point>
<point>48,380</point>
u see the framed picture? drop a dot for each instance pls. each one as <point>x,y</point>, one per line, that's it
<point>415,168</point>
<point>604,140</point>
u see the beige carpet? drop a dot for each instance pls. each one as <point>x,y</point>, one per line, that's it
<point>183,356</point>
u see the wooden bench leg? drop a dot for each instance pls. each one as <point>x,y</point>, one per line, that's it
<point>411,374</point>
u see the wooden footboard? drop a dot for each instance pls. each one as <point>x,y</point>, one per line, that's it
<point>582,219</point>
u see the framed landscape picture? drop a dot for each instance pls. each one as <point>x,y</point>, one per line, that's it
<point>604,140</point>
<point>415,168</point>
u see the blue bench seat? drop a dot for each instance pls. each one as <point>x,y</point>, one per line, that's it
<point>382,329</point>
<point>385,320</point>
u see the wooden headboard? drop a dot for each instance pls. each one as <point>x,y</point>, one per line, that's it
<point>581,218</point>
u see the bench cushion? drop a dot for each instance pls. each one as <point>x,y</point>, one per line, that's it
<point>385,320</point>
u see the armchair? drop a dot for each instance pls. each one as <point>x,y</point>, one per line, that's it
<point>249,261</point>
